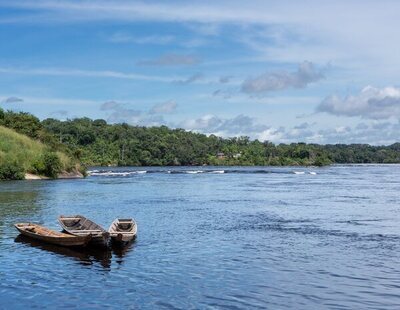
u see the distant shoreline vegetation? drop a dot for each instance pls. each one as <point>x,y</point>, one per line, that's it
<point>97,143</point>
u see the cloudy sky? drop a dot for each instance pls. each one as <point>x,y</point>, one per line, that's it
<point>283,71</point>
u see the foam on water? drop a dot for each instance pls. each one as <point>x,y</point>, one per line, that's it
<point>183,170</point>
<point>114,173</point>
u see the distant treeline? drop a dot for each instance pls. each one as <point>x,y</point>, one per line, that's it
<point>94,142</point>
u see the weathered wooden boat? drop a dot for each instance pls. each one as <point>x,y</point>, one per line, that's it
<point>79,225</point>
<point>51,236</point>
<point>123,230</point>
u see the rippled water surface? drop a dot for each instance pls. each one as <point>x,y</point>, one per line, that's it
<point>235,238</point>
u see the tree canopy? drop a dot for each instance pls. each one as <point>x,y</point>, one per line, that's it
<point>95,142</point>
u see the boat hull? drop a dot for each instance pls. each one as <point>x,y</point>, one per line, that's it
<point>53,237</point>
<point>123,231</point>
<point>79,225</point>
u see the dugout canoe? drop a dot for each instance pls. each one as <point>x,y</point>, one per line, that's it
<point>123,230</point>
<point>45,234</point>
<point>78,225</point>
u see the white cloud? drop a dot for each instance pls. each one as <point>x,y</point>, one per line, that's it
<point>370,103</point>
<point>155,39</point>
<point>30,101</point>
<point>164,108</point>
<point>191,79</point>
<point>379,133</point>
<point>171,60</point>
<point>205,123</point>
<point>305,74</point>
<point>67,72</point>
<point>289,31</point>
<point>86,73</point>
<point>225,94</point>
<point>122,37</point>
<point>205,29</point>
<point>60,113</point>
<point>120,113</point>
<point>322,31</point>
<point>110,105</point>
<point>204,13</point>
<point>212,124</point>
<point>225,79</point>
<point>12,100</point>
<point>140,11</point>
<point>271,134</point>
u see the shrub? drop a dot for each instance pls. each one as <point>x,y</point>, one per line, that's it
<point>48,164</point>
<point>11,171</point>
<point>82,170</point>
<point>52,164</point>
<point>38,166</point>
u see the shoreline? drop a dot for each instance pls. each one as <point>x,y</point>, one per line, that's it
<point>61,176</point>
<point>244,166</point>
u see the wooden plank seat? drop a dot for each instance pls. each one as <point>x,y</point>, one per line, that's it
<point>123,230</point>
<point>84,226</point>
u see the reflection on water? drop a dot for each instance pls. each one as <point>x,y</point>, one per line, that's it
<point>86,255</point>
<point>21,203</point>
<point>120,250</point>
<point>17,205</point>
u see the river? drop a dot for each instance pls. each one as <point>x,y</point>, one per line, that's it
<point>211,237</point>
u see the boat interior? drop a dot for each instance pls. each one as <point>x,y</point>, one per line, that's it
<point>79,224</point>
<point>122,225</point>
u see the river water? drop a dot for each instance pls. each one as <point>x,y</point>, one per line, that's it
<point>211,237</point>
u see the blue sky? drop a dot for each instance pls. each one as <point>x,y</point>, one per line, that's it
<point>284,71</point>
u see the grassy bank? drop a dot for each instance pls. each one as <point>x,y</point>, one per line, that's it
<point>20,154</point>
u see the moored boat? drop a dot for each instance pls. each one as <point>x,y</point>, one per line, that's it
<point>51,236</point>
<point>123,230</point>
<point>79,225</point>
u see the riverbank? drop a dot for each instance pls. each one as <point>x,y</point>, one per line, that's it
<point>25,157</point>
<point>62,175</point>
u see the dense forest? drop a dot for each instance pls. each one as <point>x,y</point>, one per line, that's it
<point>95,142</point>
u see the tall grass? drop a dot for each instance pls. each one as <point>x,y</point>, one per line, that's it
<point>25,152</point>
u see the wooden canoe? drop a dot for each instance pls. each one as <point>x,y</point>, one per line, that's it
<point>79,225</point>
<point>123,230</point>
<point>51,236</point>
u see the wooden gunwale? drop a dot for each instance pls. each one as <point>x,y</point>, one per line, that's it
<point>84,227</point>
<point>123,236</point>
<point>41,233</point>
